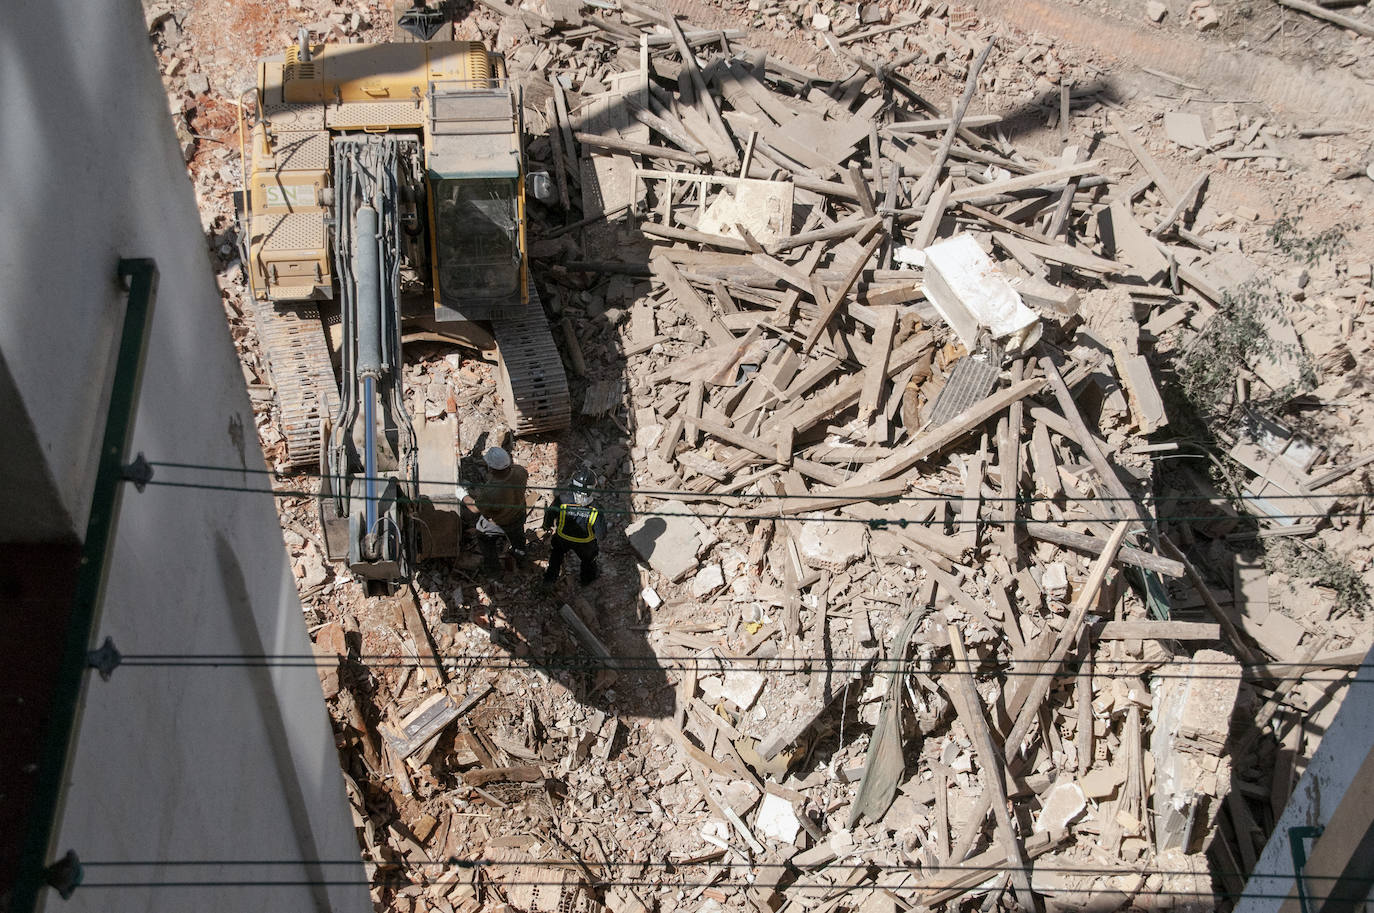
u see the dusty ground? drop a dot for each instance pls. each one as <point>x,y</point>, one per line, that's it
<point>632,793</point>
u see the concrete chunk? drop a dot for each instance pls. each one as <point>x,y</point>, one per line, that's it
<point>668,543</point>
<point>831,545</point>
<point>1185,129</point>
<point>1046,296</point>
<point>776,819</point>
<point>972,294</point>
<point>764,208</point>
<point>742,688</point>
<point>707,581</point>
<point>1122,233</point>
<point>1147,406</point>
<point>1063,803</point>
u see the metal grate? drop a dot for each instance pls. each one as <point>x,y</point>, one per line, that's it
<point>373,113</point>
<point>302,151</point>
<point>293,231</point>
<point>294,116</point>
<point>969,382</point>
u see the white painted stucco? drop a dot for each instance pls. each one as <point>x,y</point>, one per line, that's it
<point>1330,779</point>
<point>168,763</point>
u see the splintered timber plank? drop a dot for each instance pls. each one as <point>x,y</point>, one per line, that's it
<point>764,448</point>
<point>1081,542</point>
<point>846,392</point>
<point>1043,672</point>
<point>934,212</point>
<point>949,882</point>
<point>1034,181</point>
<point>1166,186</point>
<point>875,371</point>
<point>430,666</point>
<point>932,175</point>
<point>837,299</point>
<point>1123,504</point>
<point>970,708</point>
<point>839,676</point>
<point>826,499</point>
<point>931,441</point>
<point>1159,630</point>
<point>854,226</point>
<point>1042,677</point>
<point>704,100</point>
<point>690,301</point>
<point>630,147</point>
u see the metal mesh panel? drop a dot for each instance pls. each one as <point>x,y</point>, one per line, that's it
<point>367,113</point>
<point>294,116</point>
<point>300,151</point>
<point>294,231</point>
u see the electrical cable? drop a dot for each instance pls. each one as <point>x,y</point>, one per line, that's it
<point>483,863</point>
<point>577,663</point>
<point>401,880</point>
<point>876,523</point>
<point>670,492</point>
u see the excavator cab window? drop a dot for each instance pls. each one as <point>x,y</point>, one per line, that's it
<point>477,246</point>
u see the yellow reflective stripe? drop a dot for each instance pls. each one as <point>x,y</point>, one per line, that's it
<point>562,518</point>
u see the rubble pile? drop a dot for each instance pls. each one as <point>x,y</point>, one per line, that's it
<point>912,604</point>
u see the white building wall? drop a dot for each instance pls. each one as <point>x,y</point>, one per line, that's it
<point>1333,777</point>
<point>228,763</point>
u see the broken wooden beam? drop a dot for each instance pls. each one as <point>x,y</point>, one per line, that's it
<point>1091,545</point>
<point>929,442</point>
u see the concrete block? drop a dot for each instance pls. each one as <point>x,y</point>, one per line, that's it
<point>972,294</point>
<point>831,545</point>
<point>1062,804</point>
<point>1122,234</point>
<point>1046,297</point>
<point>1225,117</point>
<point>742,688</point>
<point>764,208</point>
<point>1054,582</point>
<point>1185,129</point>
<point>776,819</point>
<point>667,543</point>
<point>1147,406</point>
<point>707,581</point>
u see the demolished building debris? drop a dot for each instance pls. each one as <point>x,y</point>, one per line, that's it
<point>870,386</point>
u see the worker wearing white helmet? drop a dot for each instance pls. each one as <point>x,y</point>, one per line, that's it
<point>500,501</point>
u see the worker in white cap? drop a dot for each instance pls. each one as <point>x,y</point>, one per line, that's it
<point>500,503</point>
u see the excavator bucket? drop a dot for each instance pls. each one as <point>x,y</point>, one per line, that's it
<point>440,524</point>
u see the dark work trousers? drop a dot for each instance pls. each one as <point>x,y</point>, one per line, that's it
<point>489,539</point>
<point>586,554</point>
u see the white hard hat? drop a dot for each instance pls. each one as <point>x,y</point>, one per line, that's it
<point>496,458</point>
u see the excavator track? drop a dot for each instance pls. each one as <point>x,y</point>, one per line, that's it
<point>532,382</point>
<point>302,374</point>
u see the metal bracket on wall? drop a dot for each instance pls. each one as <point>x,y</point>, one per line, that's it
<point>1296,836</point>
<point>138,277</point>
<point>140,472</point>
<point>105,660</point>
<point>64,875</point>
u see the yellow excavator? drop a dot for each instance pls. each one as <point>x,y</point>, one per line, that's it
<point>384,188</point>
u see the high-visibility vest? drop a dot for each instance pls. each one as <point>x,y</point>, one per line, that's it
<point>562,519</point>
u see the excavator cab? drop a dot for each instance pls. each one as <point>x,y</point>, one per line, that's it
<point>477,249</point>
<point>476,198</point>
